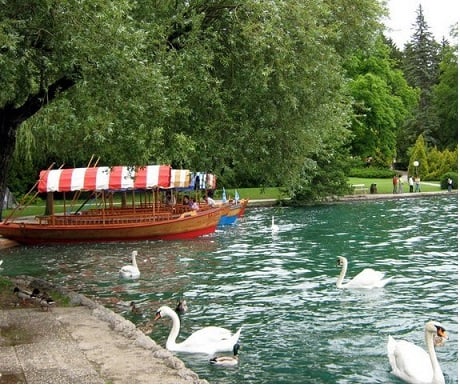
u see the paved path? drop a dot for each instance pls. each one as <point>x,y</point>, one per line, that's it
<point>85,344</point>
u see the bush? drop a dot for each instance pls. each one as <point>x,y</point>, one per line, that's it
<point>447,175</point>
<point>371,172</point>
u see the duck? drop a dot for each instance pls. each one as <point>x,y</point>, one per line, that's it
<point>367,279</point>
<point>45,301</point>
<point>275,228</point>
<point>134,309</point>
<point>414,365</point>
<point>22,294</point>
<point>227,360</point>
<point>42,299</point>
<point>131,271</point>
<point>181,307</point>
<point>208,340</point>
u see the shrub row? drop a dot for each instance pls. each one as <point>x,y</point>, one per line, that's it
<point>371,172</point>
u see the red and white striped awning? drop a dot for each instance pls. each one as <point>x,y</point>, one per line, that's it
<point>104,178</point>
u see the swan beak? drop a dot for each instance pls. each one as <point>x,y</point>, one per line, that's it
<point>441,332</point>
<point>157,316</point>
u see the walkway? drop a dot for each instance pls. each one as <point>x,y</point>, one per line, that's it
<point>86,344</point>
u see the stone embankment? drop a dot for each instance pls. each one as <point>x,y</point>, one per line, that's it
<point>82,343</point>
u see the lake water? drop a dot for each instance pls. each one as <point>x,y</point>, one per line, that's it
<point>297,326</point>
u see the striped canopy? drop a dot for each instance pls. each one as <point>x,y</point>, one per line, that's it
<point>104,178</point>
<point>202,181</point>
<point>180,179</point>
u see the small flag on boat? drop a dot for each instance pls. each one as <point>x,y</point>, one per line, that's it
<point>224,195</point>
<point>237,196</point>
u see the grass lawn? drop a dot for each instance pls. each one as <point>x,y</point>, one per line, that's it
<point>385,186</point>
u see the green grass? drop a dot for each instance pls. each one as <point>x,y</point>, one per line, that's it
<point>253,193</point>
<point>385,185</point>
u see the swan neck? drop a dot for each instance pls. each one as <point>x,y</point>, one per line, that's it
<point>339,283</point>
<point>438,377</point>
<point>171,342</point>
<point>134,261</point>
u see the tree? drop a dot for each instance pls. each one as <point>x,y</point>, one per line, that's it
<point>419,154</point>
<point>382,102</point>
<point>421,69</point>
<point>233,87</point>
<point>445,98</point>
<point>48,47</point>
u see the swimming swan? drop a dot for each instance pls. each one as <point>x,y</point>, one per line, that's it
<point>275,228</point>
<point>367,279</point>
<point>131,271</point>
<point>227,360</point>
<point>208,340</point>
<point>413,364</point>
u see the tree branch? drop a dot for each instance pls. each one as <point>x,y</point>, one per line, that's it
<point>35,102</point>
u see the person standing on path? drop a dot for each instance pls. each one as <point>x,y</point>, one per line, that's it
<point>450,184</point>
<point>411,184</point>
<point>395,184</point>
<point>417,184</point>
<point>400,184</point>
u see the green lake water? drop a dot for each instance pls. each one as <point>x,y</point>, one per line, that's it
<point>297,326</point>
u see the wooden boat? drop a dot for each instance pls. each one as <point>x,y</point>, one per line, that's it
<point>111,221</point>
<point>236,210</point>
<point>89,228</point>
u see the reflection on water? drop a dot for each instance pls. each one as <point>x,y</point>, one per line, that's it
<point>297,327</point>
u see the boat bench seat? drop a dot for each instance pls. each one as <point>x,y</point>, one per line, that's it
<point>107,219</point>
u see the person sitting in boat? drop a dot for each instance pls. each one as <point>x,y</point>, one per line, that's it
<point>186,200</point>
<point>194,205</point>
<point>211,202</point>
<point>170,199</point>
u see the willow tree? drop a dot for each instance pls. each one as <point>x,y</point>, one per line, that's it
<point>52,50</point>
<point>235,87</point>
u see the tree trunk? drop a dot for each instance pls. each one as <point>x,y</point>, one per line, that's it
<point>12,117</point>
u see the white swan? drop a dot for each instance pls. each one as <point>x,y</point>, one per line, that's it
<point>275,228</point>
<point>367,279</point>
<point>413,364</point>
<point>208,340</point>
<point>227,360</point>
<point>131,271</point>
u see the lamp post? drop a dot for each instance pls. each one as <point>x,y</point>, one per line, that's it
<point>416,163</point>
